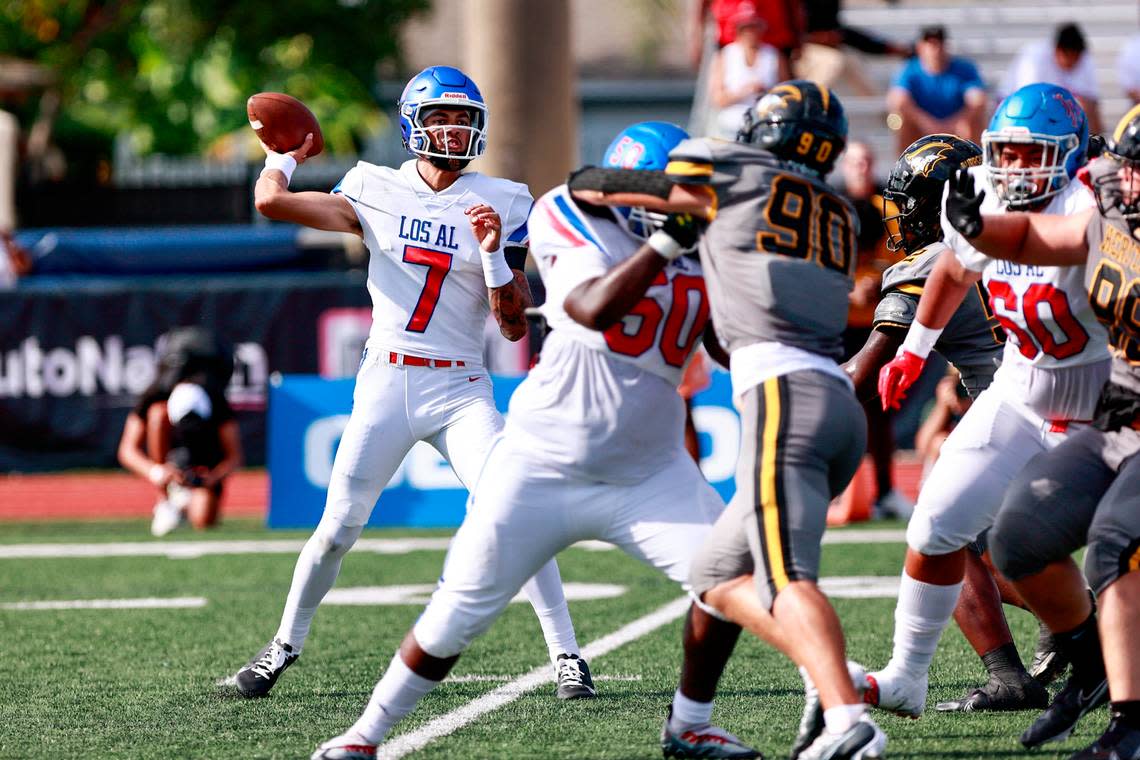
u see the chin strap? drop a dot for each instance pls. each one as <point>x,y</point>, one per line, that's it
<point>448,164</point>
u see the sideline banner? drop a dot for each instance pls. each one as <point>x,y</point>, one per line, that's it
<point>307,416</point>
<point>76,354</point>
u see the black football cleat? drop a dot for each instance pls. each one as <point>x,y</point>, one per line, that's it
<point>574,681</point>
<point>1000,696</point>
<point>1118,742</point>
<point>258,677</point>
<point>1049,662</point>
<point>1071,704</point>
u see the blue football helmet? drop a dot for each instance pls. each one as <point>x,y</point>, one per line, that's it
<point>441,87</point>
<point>644,145</point>
<point>1041,114</point>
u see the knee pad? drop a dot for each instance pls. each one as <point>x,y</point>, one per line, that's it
<point>350,500</point>
<point>1110,555</point>
<point>444,631</point>
<point>923,537</point>
<point>332,538</point>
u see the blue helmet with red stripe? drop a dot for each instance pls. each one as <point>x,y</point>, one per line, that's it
<point>644,146</point>
<point>1044,115</point>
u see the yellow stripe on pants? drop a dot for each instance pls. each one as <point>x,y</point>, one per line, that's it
<point>768,502</point>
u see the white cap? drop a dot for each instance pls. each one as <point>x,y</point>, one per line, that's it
<point>187,398</point>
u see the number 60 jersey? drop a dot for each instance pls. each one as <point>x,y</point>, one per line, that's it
<point>603,405</point>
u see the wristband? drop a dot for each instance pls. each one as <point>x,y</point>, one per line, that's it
<point>156,473</point>
<point>920,339</point>
<point>282,162</point>
<point>496,273</point>
<point>664,245</point>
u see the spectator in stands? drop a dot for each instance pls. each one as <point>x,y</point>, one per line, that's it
<point>823,57</point>
<point>1128,69</point>
<point>782,31</point>
<point>861,187</point>
<point>742,70</point>
<point>15,262</point>
<point>936,92</point>
<point>1064,61</point>
<point>182,436</point>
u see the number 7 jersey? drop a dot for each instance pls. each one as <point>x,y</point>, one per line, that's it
<point>425,273</point>
<point>779,256</point>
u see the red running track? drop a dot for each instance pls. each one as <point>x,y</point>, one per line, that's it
<point>119,496</point>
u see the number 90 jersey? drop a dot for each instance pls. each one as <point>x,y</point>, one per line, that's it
<point>572,244</point>
<point>780,254</point>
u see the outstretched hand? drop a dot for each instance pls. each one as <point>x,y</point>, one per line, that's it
<point>963,204</point>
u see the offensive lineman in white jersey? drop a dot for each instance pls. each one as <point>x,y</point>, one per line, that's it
<point>1054,364</point>
<point>445,247</point>
<point>593,443</point>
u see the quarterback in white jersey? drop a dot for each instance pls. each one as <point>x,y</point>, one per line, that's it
<point>593,444</point>
<point>1054,364</point>
<point>445,248</point>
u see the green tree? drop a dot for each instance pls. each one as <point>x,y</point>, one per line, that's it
<point>174,74</point>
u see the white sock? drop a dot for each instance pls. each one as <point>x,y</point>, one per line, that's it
<point>396,694</point>
<point>689,713</point>
<point>548,599</point>
<point>923,611</point>
<point>839,719</point>
<point>315,573</point>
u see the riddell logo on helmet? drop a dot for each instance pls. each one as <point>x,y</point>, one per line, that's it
<point>454,96</point>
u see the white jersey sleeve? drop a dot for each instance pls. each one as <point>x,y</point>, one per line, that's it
<point>566,251</point>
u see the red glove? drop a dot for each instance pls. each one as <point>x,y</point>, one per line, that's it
<point>897,376</point>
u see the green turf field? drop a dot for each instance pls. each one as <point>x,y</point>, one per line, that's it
<point>141,683</point>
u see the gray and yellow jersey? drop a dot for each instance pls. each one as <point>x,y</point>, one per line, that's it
<point>1112,276</point>
<point>972,340</point>
<point>779,255</point>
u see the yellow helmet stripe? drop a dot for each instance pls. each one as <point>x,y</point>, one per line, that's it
<point>1123,123</point>
<point>825,94</point>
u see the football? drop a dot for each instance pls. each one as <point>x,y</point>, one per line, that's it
<point>281,122</point>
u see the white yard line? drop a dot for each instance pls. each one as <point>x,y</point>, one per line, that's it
<point>194,549</point>
<point>182,602</point>
<point>444,725</point>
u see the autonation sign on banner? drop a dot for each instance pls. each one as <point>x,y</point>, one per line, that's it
<point>307,415</point>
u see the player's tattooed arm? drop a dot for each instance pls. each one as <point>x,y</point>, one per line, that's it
<point>509,304</point>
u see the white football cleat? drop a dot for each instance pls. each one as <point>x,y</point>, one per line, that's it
<point>863,741</point>
<point>349,746</point>
<point>900,694</point>
<point>811,722</point>
<point>166,518</point>
<point>892,504</point>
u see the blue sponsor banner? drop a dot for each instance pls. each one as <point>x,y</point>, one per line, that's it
<point>307,415</point>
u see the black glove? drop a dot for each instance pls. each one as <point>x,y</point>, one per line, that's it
<point>1096,146</point>
<point>686,229</point>
<point>962,204</point>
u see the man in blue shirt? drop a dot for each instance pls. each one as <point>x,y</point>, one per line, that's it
<point>936,92</point>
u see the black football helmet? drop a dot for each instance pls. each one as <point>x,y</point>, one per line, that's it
<point>912,208</point>
<point>798,121</point>
<point>1116,175</point>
